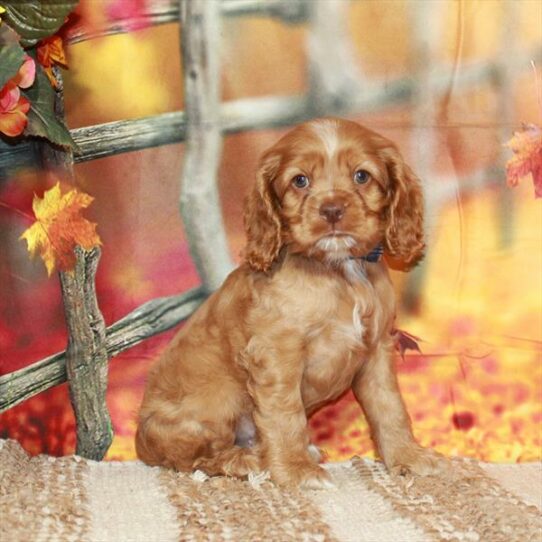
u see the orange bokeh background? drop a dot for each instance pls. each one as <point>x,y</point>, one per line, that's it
<point>477,388</point>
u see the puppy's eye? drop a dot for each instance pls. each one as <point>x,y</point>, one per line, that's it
<point>361,176</point>
<point>300,181</point>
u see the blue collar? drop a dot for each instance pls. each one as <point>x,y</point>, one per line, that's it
<point>374,256</point>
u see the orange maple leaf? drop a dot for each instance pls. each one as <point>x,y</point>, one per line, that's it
<point>527,148</point>
<point>51,53</point>
<point>59,227</point>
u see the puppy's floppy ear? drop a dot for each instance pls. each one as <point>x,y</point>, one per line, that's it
<point>404,231</point>
<point>262,219</point>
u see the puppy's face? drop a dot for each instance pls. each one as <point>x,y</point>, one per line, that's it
<point>331,189</point>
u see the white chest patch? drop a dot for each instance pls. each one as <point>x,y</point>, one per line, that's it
<point>359,329</point>
<point>349,334</point>
<point>354,270</point>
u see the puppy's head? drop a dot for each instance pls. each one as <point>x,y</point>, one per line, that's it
<point>331,189</point>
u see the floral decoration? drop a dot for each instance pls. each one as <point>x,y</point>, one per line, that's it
<point>29,32</point>
<point>14,106</point>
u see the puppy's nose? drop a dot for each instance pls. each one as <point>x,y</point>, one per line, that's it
<point>332,211</point>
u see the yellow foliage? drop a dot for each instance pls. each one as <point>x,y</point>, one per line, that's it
<point>121,76</point>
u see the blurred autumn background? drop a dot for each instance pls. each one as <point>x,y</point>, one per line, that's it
<point>477,388</point>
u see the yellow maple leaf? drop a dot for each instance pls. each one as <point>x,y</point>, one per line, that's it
<point>59,227</point>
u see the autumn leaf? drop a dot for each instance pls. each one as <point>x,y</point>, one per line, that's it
<point>51,53</point>
<point>405,341</point>
<point>527,159</point>
<point>59,227</point>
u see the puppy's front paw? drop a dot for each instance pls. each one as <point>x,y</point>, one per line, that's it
<point>415,459</point>
<point>302,475</point>
<point>315,453</point>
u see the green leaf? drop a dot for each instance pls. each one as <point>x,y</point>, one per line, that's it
<point>11,58</point>
<point>7,35</point>
<point>36,19</point>
<point>11,54</point>
<point>42,120</point>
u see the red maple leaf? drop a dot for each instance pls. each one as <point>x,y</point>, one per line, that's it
<point>405,341</point>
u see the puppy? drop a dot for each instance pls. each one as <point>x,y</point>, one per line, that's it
<point>308,315</point>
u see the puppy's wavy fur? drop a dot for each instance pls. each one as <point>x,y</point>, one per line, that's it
<point>301,321</point>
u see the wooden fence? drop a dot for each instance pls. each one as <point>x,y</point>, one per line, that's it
<point>336,86</point>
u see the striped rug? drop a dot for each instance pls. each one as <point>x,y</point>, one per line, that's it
<point>71,499</point>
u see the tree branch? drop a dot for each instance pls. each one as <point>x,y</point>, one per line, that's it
<point>86,356</point>
<point>246,114</point>
<point>199,203</point>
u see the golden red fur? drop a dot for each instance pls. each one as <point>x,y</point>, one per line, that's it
<point>302,320</point>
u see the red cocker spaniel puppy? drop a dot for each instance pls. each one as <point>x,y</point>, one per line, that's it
<point>308,315</point>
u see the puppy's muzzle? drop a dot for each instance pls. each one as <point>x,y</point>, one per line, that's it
<point>332,211</point>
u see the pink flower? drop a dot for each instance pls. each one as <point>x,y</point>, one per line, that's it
<point>13,109</point>
<point>13,106</point>
<point>26,74</point>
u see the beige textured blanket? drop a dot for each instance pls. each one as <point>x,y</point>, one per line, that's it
<point>72,499</point>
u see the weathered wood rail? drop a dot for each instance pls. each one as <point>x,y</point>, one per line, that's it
<point>118,137</point>
<point>336,86</point>
<point>151,318</point>
<point>167,11</point>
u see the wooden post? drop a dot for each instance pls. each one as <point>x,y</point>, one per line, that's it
<point>423,139</point>
<point>86,353</point>
<point>334,74</point>
<point>505,83</point>
<point>200,204</point>
<point>86,356</point>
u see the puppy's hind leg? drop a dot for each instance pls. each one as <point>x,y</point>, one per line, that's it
<point>173,443</point>
<point>197,432</point>
<point>230,461</point>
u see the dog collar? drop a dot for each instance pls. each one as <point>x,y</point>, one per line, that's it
<point>374,256</point>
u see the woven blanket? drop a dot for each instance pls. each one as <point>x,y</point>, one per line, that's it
<point>72,499</point>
